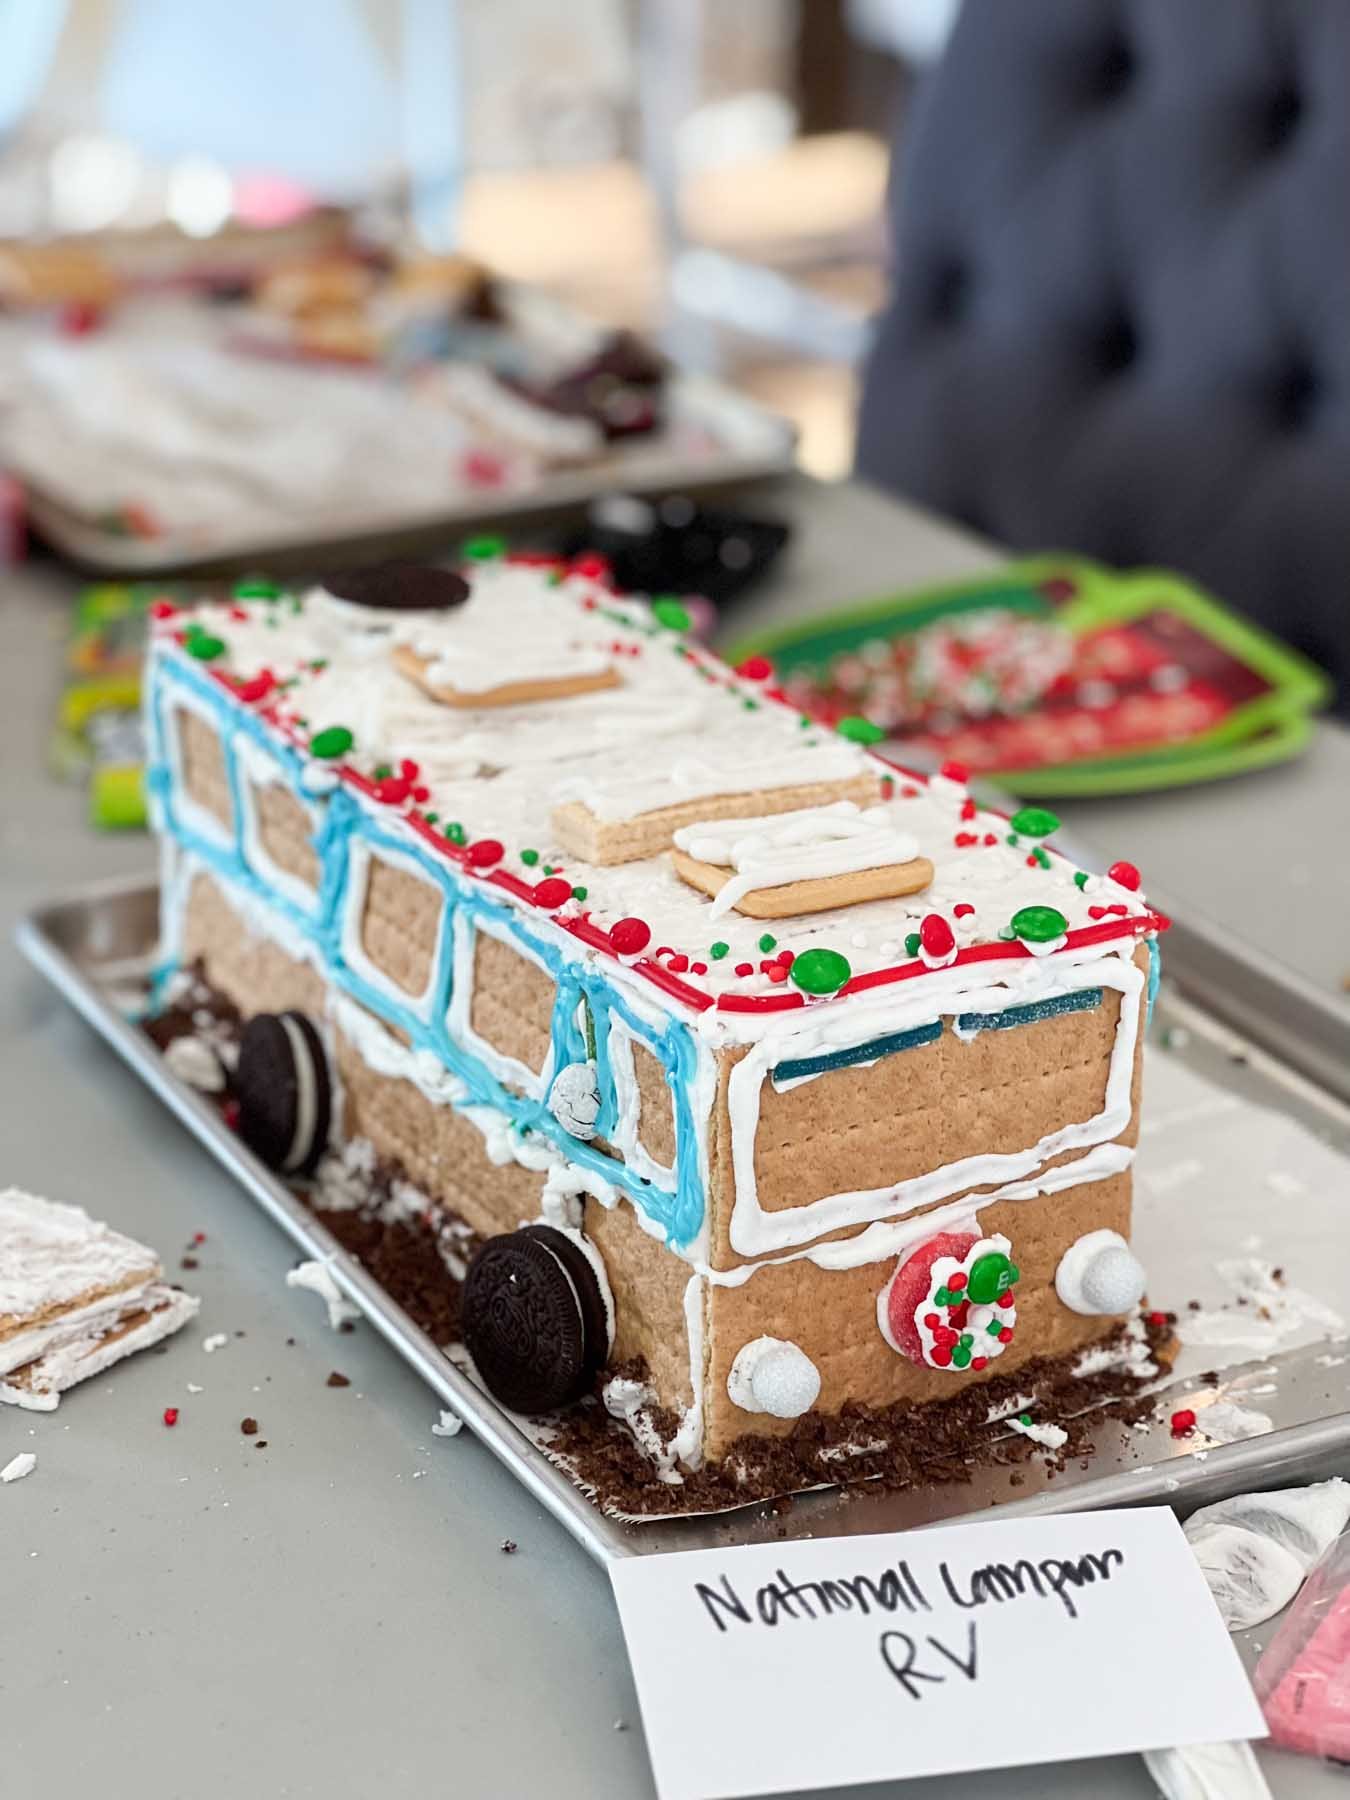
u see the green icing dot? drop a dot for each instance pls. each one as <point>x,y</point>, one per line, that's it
<point>718,950</point>
<point>431,817</point>
<point>529,858</point>
<point>1039,924</point>
<point>859,730</point>
<point>767,942</point>
<point>455,832</point>
<point>1034,822</point>
<point>991,1275</point>
<point>1024,1418</point>
<point>484,549</point>
<point>819,971</point>
<point>943,1297</point>
<point>335,741</point>
<point>579,893</point>
<point>994,1327</point>
<point>382,771</point>
<point>671,614</point>
<point>256,589</point>
<point>961,1356</point>
<point>203,646</point>
<point>1080,879</point>
<point>912,944</point>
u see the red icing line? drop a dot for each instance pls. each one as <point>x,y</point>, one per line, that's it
<point>759,1002</point>
<point>672,984</point>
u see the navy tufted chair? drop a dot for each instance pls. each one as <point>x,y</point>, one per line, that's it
<point>1121,316</point>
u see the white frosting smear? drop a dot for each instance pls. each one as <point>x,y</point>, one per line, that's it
<point>810,844</point>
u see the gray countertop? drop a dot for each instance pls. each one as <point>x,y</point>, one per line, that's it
<point>333,1615</point>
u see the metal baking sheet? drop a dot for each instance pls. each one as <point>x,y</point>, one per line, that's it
<point>751,443</point>
<point>1239,1155</point>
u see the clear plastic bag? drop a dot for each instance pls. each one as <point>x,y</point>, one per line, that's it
<point>1303,1679</point>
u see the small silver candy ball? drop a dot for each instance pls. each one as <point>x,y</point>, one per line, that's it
<point>574,1099</point>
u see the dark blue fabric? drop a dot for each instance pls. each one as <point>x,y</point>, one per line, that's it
<point>1121,314</point>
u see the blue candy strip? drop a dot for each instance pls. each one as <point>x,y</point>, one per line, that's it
<point>1085,1000</point>
<point>859,1053</point>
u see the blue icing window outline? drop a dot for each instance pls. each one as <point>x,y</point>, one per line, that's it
<point>1154,979</point>
<point>871,1051</point>
<point>679,1211</point>
<point>1085,1000</point>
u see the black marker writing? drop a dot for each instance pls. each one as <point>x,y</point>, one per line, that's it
<point>900,1654</point>
<point>1053,1575</point>
<point>893,1590</point>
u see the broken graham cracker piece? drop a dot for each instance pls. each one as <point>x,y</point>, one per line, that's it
<point>70,1290</point>
<point>421,669</point>
<point>811,860</point>
<point>582,834</point>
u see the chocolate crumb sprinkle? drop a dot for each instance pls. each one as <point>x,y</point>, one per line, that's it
<point>249,1427</point>
<point>337,1379</point>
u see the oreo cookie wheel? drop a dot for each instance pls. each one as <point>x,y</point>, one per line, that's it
<point>284,1091</point>
<point>535,1318</point>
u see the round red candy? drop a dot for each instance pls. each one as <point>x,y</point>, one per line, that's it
<point>911,1287</point>
<point>393,790</point>
<point>935,934</point>
<point>1183,1422</point>
<point>755,668</point>
<point>170,1415</point>
<point>630,936</point>
<point>484,852</point>
<point>955,771</point>
<point>256,688</point>
<point>1126,874</point>
<point>942,1356</point>
<point>553,892</point>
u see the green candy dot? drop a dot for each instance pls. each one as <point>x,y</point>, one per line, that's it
<point>718,950</point>
<point>966,1340</point>
<point>819,971</point>
<point>767,942</point>
<point>994,1327</point>
<point>671,614</point>
<point>1024,1418</point>
<point>859,730</point>
<point>912,944</point>
<point>579,893</point>
<point>382,771</point>
<point>961,1356</point>
<point>991,1276</point>
<point>548,868</point>
<point>431,817</point>
<point>943,1297</point>
<point>256,589</point>
<point>203,646</point>
<point>335,741</point>
<point>484,549</point>
<point>1034,822</point>
<point>529,858</point>
<point>1080,879</point>
<point>455,833</point>
<point>1039,924</point>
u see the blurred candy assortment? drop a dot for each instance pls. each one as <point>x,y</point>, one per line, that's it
<point>97,738</point>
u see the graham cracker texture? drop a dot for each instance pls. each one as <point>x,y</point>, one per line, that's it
<point>510,693</point>
<point>648,1285</point>
<point>203,761</point>
<point>11,1324</point>
<point>656,1107</point>
<point>831,1315</point>
<point>399,925</point>
<point>819,894</point>
<point>253,972</point>
<point>511,1007</point>
<point>283,832</point>
<point>602,841</point>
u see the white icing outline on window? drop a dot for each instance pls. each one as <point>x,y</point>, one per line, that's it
<point>507,1069</point>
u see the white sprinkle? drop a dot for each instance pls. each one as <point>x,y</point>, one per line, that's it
<point>1052,1437</point>
<point>217,1341</point>
<point>450,1425</point>
<point>193,1388</point>
<point>23,1464</point>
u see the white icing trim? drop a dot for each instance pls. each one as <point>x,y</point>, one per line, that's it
<point>811,843</point>
<point>258,769</point>
<point>687,1443</point>
<point>753,1231</point>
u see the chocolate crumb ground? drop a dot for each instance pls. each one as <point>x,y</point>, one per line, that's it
<point>941,1442</point>
<point>347,1325</point>
<point>188,1262</point>
<point>249,1427</point>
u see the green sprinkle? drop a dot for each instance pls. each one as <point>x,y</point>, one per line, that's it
<point>484,549</point>
<point>961,1356</point>
<point>319,664</point>
<point>1080,879</point>
<point>750,705</point>
<point>912,944</point>
<point>1011,839</point>
<point>994,1327</point>
<point>336,741</point>
<point>718,950</point>
<point>455,832</point>
<point>548,868</point>
<point>382,772</point>
<point>943,1297</point>
<point>806,721</point>
<point>529,858</point>
<point>1034,822</point>
<point>767,942</point>
<point>256,589</point>
<point>669,612</point>
<point>820,971</point>
<point>859,730</point>
<point>579,893</point>
<point>203,646</point>
<point>1042,857</point>
<point>1039,924</point>
<point>554,578</point>
<point>1024,1418</point>
<point>431,817</point>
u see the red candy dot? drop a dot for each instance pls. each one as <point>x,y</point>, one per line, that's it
<point>486,851</point>
<point>745,968</point>
<point>256,688</point>
<point>755,668</point>
<point>932,1321</point>
<point>1126,874</point>
<point>698,968</point>
<point>409,769</point>
<point>392,791</point>
<point>678,963</point>
<point>1096,912</point>
<point>979,1362</point>
<point>958,1281</point>
<point>1006,1299</point>
<point>630,936</point>
<point>964,839</point>
<point>964,910</point>
<point>955,771</point>
<point>1183,1422</point>
<point>592,565</point>
<point>935,934</point>
<point>909,793</point>
<point>162,609</point>
<point>551,893</point>
<point>1005,1336</point>
<point>941,1355</point>
<point>1157,1318</point>
<point>968,809</point>
<point>989,838</point>
<point>170,1415</point>
<point>776,972</point>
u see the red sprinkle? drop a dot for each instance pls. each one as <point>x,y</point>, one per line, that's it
<point>909,793</point>
<point>1183,1422</point>
<point>786,957</point>
<point>989,838</point>
<point>968,809</point>
<point>591,564</point>
<point>170,1415</point>
<point>755,668</point>
<point>963,909</point>
<point>162,609</point>
<point>745,968</point>
<point>698,968</point>
<point>199,1237</point>
<point>678,963</point>
<point>979,1362</point>
<point>964,839</point>
<point>256,688</point>
<point>551,893</point>
<point>1126,874</point>
<point>409,768</point>
<point>1096,912</point>
<point>1005,1336</point>
<point>1157,1318</point>
<point>775,972</point>
<point>935,934</point>
<point>486,851</point>
<point>955,771</point>
<point>941,1355</point>
<point>932,1321</point>
<point>630,936</point>
<point>1005,1300</point>
<point>393,790</point>
<point>958,1281</point>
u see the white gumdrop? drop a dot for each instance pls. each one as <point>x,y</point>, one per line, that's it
<point>574,1099</point>
<point>772,1376</point>
<point>1099,1274</point>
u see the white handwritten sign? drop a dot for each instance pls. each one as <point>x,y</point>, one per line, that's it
<point>779,1667</point>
